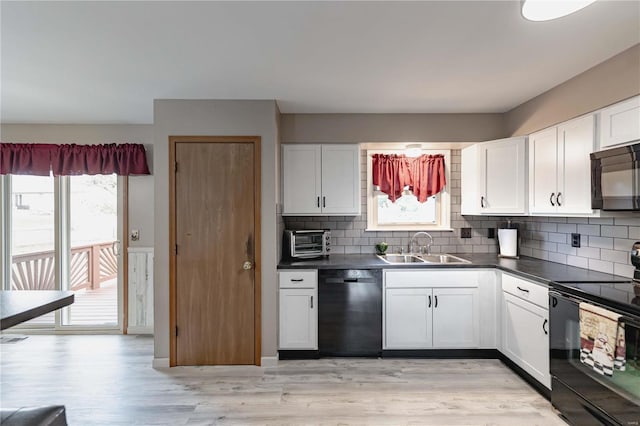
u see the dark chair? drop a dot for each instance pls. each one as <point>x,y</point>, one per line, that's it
<point>53,415</point>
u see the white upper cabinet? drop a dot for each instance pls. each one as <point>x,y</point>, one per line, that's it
<point>494,178</point>
<point>620,123</point>
<point>560,168</point>
<point>321,179</point>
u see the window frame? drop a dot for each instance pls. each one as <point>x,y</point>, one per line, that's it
<point>443,199</point>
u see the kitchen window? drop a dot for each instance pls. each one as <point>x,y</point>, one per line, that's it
<point>407,213</point>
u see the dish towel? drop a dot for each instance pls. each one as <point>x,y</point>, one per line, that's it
<point>602,345</point>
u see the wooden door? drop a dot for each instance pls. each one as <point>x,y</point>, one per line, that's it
<point>215,234</point>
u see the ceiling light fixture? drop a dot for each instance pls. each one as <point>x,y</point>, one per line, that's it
<point>546,10</point>
<point>413,150</point>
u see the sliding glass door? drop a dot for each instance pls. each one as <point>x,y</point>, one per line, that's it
<point>64,235</point>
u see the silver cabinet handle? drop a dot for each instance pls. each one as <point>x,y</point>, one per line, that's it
<point>318,201</point>
<point>558,198</point>
<point>311,302</point>
<point>551,198</point>
<point>324,201</point>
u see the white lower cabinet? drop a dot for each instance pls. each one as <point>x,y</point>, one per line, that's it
<point>408,323</point>
<point>298,310</point>
<point>431,310</point>
<point>525,331</point>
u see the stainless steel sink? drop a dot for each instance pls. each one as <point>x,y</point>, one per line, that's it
<point>441,258</point>
<point>401,258</point>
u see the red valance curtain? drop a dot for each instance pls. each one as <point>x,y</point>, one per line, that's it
<point>68,160</point>
<point>424,175</point>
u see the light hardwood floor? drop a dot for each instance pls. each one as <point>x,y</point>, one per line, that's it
<point>108,380</point>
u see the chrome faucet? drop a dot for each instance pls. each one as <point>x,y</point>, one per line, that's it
<point>412,241</point>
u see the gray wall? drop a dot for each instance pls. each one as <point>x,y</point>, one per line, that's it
<point>350,128</point>
<point>215,118</point>
<point>140,187</point>
<point>607,83</point>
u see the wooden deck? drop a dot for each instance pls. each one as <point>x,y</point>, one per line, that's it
<point>98,307</point>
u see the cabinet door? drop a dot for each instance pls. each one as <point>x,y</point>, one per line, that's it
<point>456,318</point>
<point>575,143</point>
<point>469,196</point>
<point>502,176</point>
<point>620,123</point>
<point>543,164</point>
<point>298,319</point>
<point>407,318</point>
<point>341,179</point>
<point>525,338</point>
<point>301,177</point>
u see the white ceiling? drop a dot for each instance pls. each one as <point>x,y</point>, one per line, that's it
<point>105,62</point>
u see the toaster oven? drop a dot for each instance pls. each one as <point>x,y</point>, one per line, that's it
<point>306,244</point>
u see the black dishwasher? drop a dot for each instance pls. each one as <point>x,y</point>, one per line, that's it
<point>350,312</point>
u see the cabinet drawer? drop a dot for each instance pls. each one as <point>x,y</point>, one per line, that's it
<point>424,278</point>
<point>526,290</point>
<point>299,279</point>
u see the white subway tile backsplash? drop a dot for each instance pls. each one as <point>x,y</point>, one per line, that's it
<point>614,256</point>
<point>568,228</point>
<point>567,249</point>
<point>623,244</point>
<point>580,262</point>
<point>624,270</point>
<point>634,232</point>
<point>589,229</point>
<point>589,252</point>
<point>557,237</point>
<point>615,231</point>
<point>601,220</point>
<point>601,242</point>
<point>558,257</point>
<point>600,265</point>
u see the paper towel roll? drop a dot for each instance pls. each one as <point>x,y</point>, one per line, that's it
<point>508,239</point>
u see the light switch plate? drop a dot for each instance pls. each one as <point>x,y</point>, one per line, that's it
<point>135,235</point>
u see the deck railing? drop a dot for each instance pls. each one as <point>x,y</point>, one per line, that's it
<point>91,265</point>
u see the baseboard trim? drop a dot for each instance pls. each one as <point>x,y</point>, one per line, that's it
<point>269,361</point>
<point>441,353</point>
<point>140,330</point>
<point>299,354</point>
<point>160,363</point>
<point>542,389</point>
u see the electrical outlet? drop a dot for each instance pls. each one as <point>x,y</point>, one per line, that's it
<point>575,240</point>
<point>491,233</point>
<point>135,235</point>
<point>465,232</point>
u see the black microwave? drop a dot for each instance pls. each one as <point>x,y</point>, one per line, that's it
<point>615,179</point>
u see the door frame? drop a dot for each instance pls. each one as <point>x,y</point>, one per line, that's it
<point>257,289</point>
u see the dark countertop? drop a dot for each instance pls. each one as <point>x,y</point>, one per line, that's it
<point>23,305</point>
<point>526,267</point>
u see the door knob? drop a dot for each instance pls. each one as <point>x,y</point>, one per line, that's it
<point>247,265</point>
